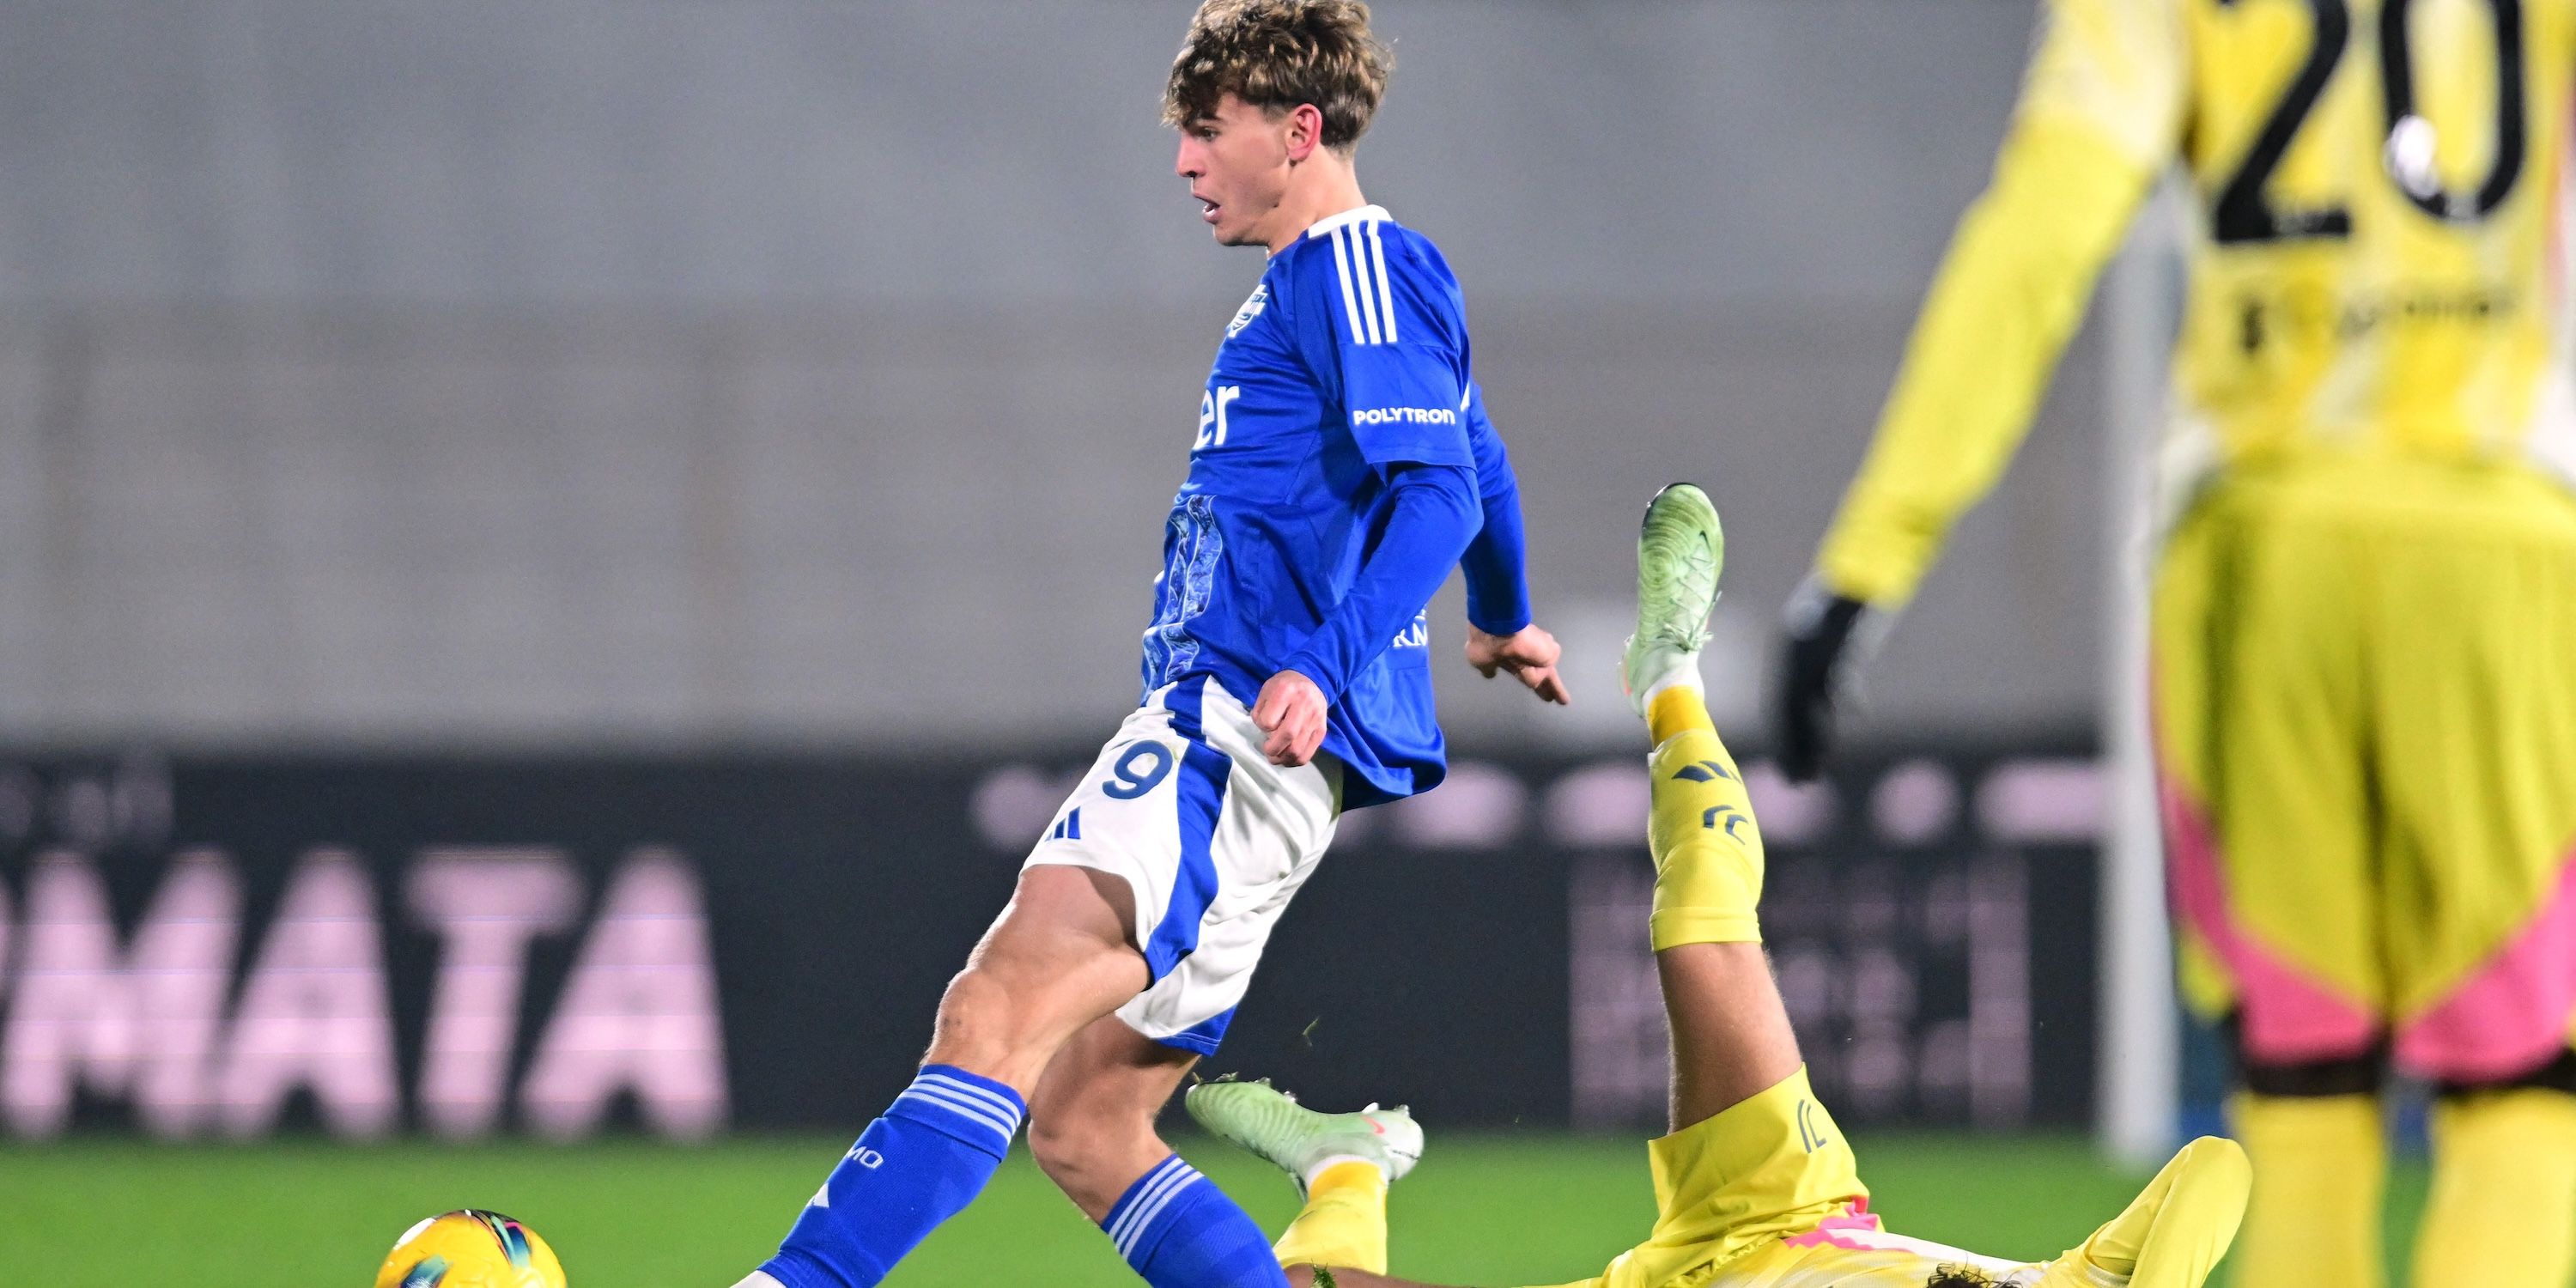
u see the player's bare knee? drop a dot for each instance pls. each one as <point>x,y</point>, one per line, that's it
<point>1091,1154</point>
<point>1057,1146</point>
<point>1007,1023</point>
<point>979,1027</point>
<point>1025,991</point>
<point>1069,1140</point>
<point>1060,1120</point>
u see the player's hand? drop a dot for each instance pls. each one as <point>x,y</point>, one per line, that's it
<point>1529,653</point>
<point>1826,635</point>
<point>1290,710</point>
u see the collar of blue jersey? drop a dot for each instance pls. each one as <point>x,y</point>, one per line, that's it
<point>1328,223</point>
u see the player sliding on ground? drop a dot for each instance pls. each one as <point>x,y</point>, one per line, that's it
<point>1756,1187</point>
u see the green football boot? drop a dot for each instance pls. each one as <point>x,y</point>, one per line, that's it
<point>1681,550</point>
<point>1298,1140</point>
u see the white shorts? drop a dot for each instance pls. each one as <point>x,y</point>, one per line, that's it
<point>1212,838</point>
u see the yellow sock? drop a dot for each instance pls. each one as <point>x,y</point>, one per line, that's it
<point>2320,1165</point>
<point>1707,848</point>
<point>2174,1232</point>
<point>2503,1206</point>
<point>1676,710</point>
<point>1343,1223</point>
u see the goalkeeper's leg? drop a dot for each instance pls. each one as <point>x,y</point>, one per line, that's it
<point>1730,1031</point>
<point>1731,1035</point>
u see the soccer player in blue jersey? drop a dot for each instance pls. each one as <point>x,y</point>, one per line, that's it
<point>1342,464</point>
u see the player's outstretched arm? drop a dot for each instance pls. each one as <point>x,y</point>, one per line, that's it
<point>1500,635</point>
<point>2098,121</point>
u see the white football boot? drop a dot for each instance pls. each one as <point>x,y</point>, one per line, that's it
<point>1300,1141</point>
<point>1681,550</point>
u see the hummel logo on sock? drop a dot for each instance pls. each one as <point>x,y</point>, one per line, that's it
<point>1709,818</point>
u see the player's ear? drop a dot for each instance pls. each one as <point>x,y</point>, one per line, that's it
<point>1305,124</point>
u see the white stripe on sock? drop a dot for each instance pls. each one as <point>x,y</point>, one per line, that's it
<point>932,1096</point>
<point>999,1103</point>
<point>1135,1236</point>
<point>1175,1178</point>
<point>981,1111</point>
<point>1146,1188</point>
<point>1001,1111</point>
<point>953,1112</point>
<point>1145,1221</point>
<point>982,1108</point>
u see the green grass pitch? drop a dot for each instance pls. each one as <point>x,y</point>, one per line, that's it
<point>1493,1210</point>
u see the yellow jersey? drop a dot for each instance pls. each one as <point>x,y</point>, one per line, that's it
<point>2375,250</point>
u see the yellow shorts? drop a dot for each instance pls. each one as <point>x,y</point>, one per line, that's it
<point>2365,717</point>
<point>1766,1170</point>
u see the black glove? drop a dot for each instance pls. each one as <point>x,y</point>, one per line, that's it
<point>1825,637</point>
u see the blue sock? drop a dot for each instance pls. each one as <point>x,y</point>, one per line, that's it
<point>918,1166</point>
<point>1180,1231</point>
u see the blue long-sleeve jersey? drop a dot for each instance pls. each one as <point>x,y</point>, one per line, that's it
<point>1343,464</point>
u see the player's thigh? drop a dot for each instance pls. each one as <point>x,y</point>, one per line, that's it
<point>1213,839</point>
<point>1730,1032</point>
<point>2476,707</point>
<point>2259,720</point>
<point>1056,959</point>
<point>1193,1003</point>
<point>1056,917</point>
<point>1067,948</point>
<point>1129,818</point>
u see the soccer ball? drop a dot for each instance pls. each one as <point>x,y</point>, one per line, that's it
<point>470,1249</point>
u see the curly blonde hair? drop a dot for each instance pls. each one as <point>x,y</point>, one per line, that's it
<point>1276,54</point>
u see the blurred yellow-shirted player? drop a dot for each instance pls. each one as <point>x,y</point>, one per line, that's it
<point>1755,1187</point>
<point>2364,619</point>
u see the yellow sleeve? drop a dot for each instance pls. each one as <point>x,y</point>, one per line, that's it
<point>2099,118</point>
